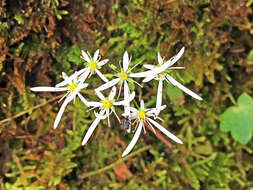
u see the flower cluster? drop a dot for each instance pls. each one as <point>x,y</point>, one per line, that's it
<point>141,117</point>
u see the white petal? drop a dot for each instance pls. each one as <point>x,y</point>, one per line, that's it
<point>95,104</point>
<point>59,115</point>
<point>83,99</point>
<point>49,89</point>
<point>131,97</point>
<point>101,114</point>
<point>64,76</point>
<point>159,94</point>
<point>95,57</point>
<point>123,102</point>
<point>175,58</point>
<point>126,97</point>
<point>126,61</point>
<point>142,105</point>
<point>72,77</point>
<point>108,84</point>
<point>147,79</point>
<point>84,76</point>
<point>134,140</point>
<point>100,95</point>
<point>159,58</point>
<point>90,130</point>
<point>85,56</point>
<point>134,110</point>
<point>176,68</point>
<point>101,75</point>
<point>186,90</point>
<point>143,74</point>
<point>165,131</point>
<point>148,66</point>
<point>156,111</point>
<point>112,93</point>
<point>83,85</point>
<point>101,63</point>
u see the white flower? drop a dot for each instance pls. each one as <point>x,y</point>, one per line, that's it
<point>93,65</point>
<point>72,85</point>
<point>142,117</point>
<point>123,77</point>
<point>160,72</point>
<point>106,108</point>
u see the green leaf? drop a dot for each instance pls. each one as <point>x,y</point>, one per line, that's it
<point>239,119</point>
<point>250,57</point>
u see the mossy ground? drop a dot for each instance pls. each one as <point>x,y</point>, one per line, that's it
<point>40,39</point>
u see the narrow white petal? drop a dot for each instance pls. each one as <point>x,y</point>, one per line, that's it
<point>176,68</point>
<point>83,85</point>
<point>112,93</point>
<point>84,75</point>
<point>101,75</point>
<point>120,87</point>
<point>126,61</point>
<point>147,79</point>
<point>120,103</point>
<point>108,84</point>
<point>131,97</point>
<point>175,58</point>
<point>100,95</point>
<point>85,56</point>
<point>101,114</point>
<point>59,115</point>
<point>156,111</point>
<point>134,140</point>
<point>143,74</point>
<point>49,89</point>
<point>134,110</point>
<point>142,105</point>
<point>165,131</point>
<point>95,104</point>
<point>83,99</point>
<point>64,75</point>
<point>101,63</point>
<point>186,90</point>
<point>123,102</point>
<point>159,58</point>
<point>126,97</point>
<point>148,66</point>
<point>90,130</point>
<point>159,94</point>
<point>72,77</point>
<point>95,57</point>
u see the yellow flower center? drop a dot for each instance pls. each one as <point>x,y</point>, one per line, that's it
<point>107,103</point>
<point>93,65</point>
<point>141,114</point>
<point>123,76</point>
<point>73,86</point>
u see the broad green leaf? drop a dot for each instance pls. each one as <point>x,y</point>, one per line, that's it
<point>239,119</point>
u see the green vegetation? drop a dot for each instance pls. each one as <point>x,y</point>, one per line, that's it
<point>41,39</point>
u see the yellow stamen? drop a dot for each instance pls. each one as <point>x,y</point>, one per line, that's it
<point>141,114</point>
<point>123,76</point>
<point>107,103</point>
<point>93,65</point>
<point>73,86</point>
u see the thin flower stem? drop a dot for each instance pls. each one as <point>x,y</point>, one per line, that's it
<point>89,174</point>
<point>29,110</point>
